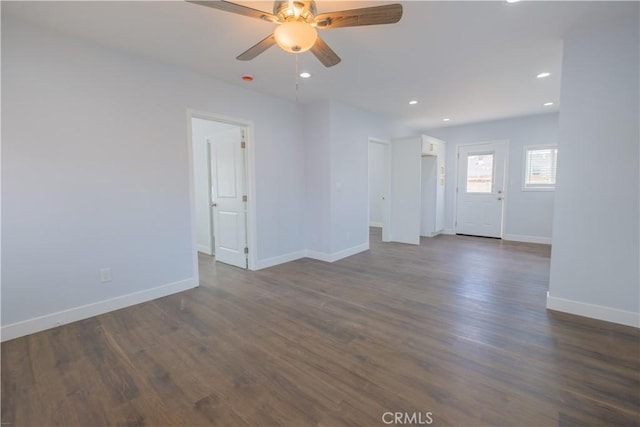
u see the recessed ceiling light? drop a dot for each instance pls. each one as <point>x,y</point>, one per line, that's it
<point>446,119</point>
<point>305,75</point>
<point>513,1</point>
<point>548,104</point>
<point>414,102</point>
<point>543,75</point>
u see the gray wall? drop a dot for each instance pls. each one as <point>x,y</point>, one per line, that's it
<point>595,257</point>
<point>95,171</point>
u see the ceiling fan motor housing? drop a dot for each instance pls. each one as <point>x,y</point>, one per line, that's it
<point>297,22</point>
<point>296,10</point>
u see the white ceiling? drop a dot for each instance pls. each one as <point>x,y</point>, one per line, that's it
<point>470,61</point>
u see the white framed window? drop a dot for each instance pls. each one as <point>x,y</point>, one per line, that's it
<point>540,165</point>
<point>480,173</point>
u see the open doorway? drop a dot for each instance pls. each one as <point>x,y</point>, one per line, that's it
<point>379,189</point>
<point>220,188</point>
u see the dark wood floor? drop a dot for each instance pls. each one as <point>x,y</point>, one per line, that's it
<point>456,327</point>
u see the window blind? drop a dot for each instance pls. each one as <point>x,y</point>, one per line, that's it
<point>540,167</point>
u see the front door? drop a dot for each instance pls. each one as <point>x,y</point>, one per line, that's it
<point>480,190</point>
<point>228,196</point>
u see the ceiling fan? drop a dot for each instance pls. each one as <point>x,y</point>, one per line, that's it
<point>297,22</point>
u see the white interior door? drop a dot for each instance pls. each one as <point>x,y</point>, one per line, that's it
<point>480,190</point>
<point>228,195</point>
<point>406,176</point>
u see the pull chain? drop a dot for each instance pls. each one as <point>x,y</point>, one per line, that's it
<point>297,78</point>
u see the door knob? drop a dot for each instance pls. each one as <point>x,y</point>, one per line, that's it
<point>213,205</point>
<point>499,198</point>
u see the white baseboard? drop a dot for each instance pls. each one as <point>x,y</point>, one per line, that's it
<point>375,224</point>
<point>323,256</point>
<point>281,259</point>
<point>527,239</point>
<point>320,256</point>
<point>434,234</point>
<point>48,321</point>
<point>204,249</point>
<point>449,231</point>
<point>608,314</point>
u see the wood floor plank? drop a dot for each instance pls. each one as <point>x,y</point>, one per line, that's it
<point>456,326</point>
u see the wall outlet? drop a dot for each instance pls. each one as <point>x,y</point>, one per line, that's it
<point>105,275</point>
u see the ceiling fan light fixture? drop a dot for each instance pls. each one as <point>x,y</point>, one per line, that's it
<point>295,36</point>
<point>297,21</point>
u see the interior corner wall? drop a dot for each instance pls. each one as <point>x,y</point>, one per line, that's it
<point>351,129</point>
<point>337,143</point>
<point>316,119</point>
<point>95,174</point>
<point>528,214</point>
<point>596,249</point>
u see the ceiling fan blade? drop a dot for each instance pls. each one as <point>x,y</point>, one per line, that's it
<point>387,14</point>
<point>257,49</point>
<point>323,52</point>
<point>227,6</point>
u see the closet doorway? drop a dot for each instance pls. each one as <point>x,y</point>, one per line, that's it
<point>379,185</point>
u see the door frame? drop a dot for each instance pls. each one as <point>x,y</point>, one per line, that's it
<point>507,144</point>
<point>386,220</point>
<point>249,170</point>
<point>212,233</point>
